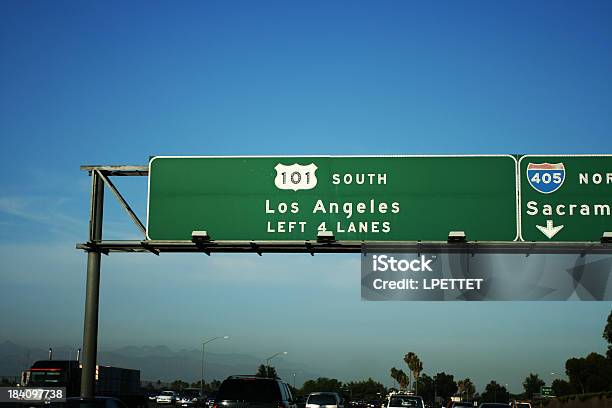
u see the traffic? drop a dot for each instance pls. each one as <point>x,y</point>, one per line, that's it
<point>122,388</point>
<point>243,391</point>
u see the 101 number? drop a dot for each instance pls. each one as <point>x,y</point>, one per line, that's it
<point>295,177</point>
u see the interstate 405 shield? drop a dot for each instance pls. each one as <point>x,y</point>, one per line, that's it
<point>369,198</point>
<point>565,198</point>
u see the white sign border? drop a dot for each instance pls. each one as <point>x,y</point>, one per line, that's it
<point>517,237</point>
<point>518,180</point>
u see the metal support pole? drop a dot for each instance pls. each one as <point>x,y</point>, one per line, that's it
<point>202,377</point>
<point>203,344</point>
<point>92,291</point>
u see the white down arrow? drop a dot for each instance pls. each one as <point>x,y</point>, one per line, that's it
<point>549,230</point>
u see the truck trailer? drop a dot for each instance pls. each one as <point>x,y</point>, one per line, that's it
<point>120,383</point>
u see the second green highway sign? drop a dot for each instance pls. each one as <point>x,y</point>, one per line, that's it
<point>566,197</point>
<point>369,198</point>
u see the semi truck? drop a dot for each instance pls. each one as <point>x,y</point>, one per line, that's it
<point>120,383</point>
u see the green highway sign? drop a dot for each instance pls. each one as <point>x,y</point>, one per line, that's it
<point>369,198</point>
<point>565,198</point>
<point>546,391</point>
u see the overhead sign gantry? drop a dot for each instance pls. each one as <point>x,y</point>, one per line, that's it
<point>487,203</point>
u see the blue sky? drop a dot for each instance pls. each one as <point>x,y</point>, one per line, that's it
<point>116,82</point>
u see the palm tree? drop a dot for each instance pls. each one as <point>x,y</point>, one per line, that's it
<point>393,374</point>
<point>466,386</point>
<point>416,367</point>
<point>400,377</point>
<point>404,379</point>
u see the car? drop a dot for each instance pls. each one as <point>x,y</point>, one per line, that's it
<point>405,401</point>
<point>359,404</point>
<point>493,405</point>
<point>166,397</point>
<point>152,396</point>
<point>189,397</point>
<point>327,399</point>
<point>96,402</point>
<point>373,404</point>
<point>520,404</point>
<point>210,400</point>
<point>185,401</point>
<point>238,390</point>
<point>460,404</point>
<point>300,401</point>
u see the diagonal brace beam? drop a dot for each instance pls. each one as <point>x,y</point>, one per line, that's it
<point>122,201</point>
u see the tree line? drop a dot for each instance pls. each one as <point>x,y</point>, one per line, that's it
<point>589,374</point>
<point>180,385</point>
<point>441,386</point>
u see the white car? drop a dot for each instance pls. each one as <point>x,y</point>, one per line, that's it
<point>166,397</point>
<point>405,401</point>
<point>324,399</point>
